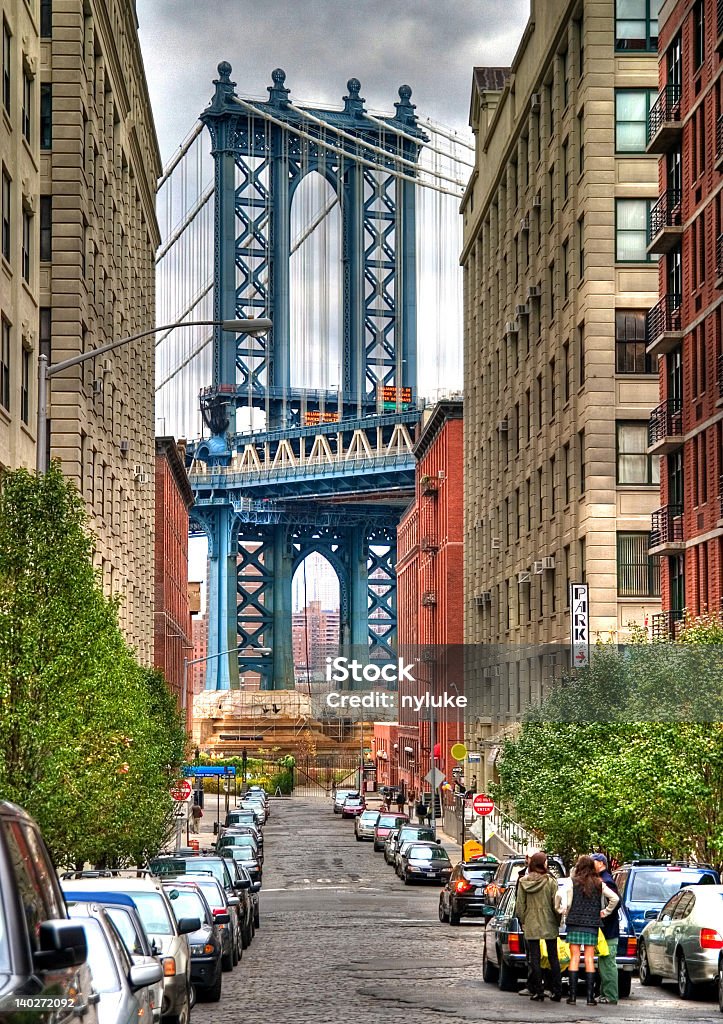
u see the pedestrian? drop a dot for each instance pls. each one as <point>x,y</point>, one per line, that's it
<point>401,800</point>
<point>611,930</point>
<point>473,784</point>
<point>583,900</point>
<point>421,810</point>
<point>538,910</point>
<point>528,989</point>
<point>196,815</point>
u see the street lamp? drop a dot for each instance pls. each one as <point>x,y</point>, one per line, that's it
<point>254,327</point>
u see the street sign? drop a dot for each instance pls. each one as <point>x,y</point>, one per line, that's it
<point>579,625</point>
<point>459,751</point>
<point>435,778</point>
<point>474,758</point>
<point>182,790</point>
<point>483,805</point>
<point>206,771</point>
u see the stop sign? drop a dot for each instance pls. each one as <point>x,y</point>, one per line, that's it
<point>483,805</point>
<point>182,790</point>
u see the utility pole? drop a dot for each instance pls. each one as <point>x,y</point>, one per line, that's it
<point>433,783</point>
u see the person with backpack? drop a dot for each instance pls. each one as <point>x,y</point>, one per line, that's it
<point>538,910</point>
<point>588,902</point>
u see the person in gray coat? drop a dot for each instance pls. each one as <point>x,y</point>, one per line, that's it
<point>537,909</point>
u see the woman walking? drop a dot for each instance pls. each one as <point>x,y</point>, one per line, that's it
<point>537,908</point>
<point>590,901</point>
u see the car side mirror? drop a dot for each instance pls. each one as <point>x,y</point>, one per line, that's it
<point>221,917</point>
<point>63,943</point>
<point>241,884</point>
<point>255,886</point>
<point>233,901</point>
<point>438,842</point>
<point>143,975</point>
<point>651,915</point>
<point>188,924</point>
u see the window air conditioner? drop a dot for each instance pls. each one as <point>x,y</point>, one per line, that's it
<point>548,562</point>
<point>535,102</point>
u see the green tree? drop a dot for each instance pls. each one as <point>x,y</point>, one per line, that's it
<point>89,740</point>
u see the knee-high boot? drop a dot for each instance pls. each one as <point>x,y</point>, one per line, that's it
<point>590,979</point>
<point>572,977</point>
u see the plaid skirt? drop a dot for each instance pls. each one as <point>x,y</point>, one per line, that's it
<point>581,937</point>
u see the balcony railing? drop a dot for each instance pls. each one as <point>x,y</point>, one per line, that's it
<point>666,526</point>
<point>667,213</point>
<point>664,114</point>
<point>664,319</point>
<point>665,421</point>
<point>668,625</point>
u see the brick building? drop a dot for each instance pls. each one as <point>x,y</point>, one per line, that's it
<point>385,752</point>
<point>173,635</point>
<point>314,636</point>
<point>430,590</point>
<point>685,128</point>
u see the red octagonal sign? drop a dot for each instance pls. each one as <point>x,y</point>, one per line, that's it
<point>182,790</point>
<point>483,805</point>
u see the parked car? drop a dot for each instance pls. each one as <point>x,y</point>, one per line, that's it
<point>125,988</point>
<point>390,845</point>
<point>404,848</point>
<point>243,816</point>
<point>509,870</point>
<point>206,943</point>
<point>233,940</point>
<point>161,927</point>
<point>39,944</point>
<point>251,891</point>
<point>353,806</point>
<point>645,886</point>
<point>340,796</point>
<point>464,895</point>
<point>684,941</point>
<point>411,833</point>
<point>504,957</point>
<point>383,826</point>
<point>257,806</point>
<point>243,830</point>
<point>425,862</point>
<point>242,839</point>
<point>123,912</point>
<point>365,824</point>
<point>247,857</point>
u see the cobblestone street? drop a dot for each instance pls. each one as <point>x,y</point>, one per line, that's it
<point>342,940</point>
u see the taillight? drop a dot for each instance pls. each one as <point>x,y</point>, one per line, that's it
<point>710,939</point>
<point>218,910</point>
<point>462,885</point>
<point>514,943</point>
<point>632,947</point>
<point>169,967</point>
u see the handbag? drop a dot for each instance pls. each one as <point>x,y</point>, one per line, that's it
<point>602,944</point>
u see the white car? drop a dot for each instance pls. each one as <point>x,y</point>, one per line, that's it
<point>340,796</point>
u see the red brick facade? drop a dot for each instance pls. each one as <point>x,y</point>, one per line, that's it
<point>687,429</point>
<point>173,635</point>
<point>430,585</point>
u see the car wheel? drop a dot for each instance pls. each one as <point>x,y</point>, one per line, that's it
<point>257,919</point>
<point>406,879</point>
<point>506,977</point>
<point>453,918</point>
<point>625,980</point>
<point>646,978</point>
<point>213,994</point>
<point>246,937</point>
<point>358,838</point>
<point>685,985</point>
<point>227,962</point>
<point>442,911</point>
<point>720,986</point>
<point>184,1016</point>
<point>489,971</point>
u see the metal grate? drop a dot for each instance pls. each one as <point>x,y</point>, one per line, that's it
<point>665,109</point>
<point>665,421</point>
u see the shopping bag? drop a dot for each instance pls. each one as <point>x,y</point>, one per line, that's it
<point>602,945</point>
<point>544,958</point>
<point>563,954</point>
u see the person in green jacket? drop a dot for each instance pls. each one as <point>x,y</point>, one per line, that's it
<point>538,912</point>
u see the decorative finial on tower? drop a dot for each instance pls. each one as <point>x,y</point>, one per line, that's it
<point>225,88</point>
<point>354,103</point>
<point>405,109</point>
<point>278,94</point>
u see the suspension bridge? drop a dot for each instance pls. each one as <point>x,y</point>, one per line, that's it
<point>341,227</point>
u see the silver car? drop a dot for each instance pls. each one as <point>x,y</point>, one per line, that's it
<point>124,986</point>
<point>365,824</point>
<point>685,939</point>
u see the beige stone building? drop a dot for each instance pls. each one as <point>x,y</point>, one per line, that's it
<point>79,168</point>
<point>558,483</point>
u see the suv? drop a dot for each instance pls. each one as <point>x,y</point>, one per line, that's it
<point>510,869</point>
<point>39,944</point>
<point>645,886</point>
<point>464,895</point>
<point>158,919</point>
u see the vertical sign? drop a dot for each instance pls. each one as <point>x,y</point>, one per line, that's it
<point>579,625</point>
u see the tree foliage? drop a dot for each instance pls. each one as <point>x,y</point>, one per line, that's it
<point>626,755</point>
<point>90,741</point>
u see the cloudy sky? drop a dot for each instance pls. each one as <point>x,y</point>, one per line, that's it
<point>430,44</point>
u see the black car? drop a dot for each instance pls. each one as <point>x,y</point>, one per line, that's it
<point>464,895</point>
<point>242,817</point>
<point>510,869</point>
<point>206,944</point>
<point>243,830</point>
<point>220,902</point>
<point>425,862</point>
<point>246,856</point>
<point>41,949</point>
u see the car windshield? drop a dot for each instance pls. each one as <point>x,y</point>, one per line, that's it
<point>245,839</point>
<point>659,886</point>
<point>100,958</point>
<point>390,820</point>
<point>153,912</point>
<point>427,853</point>
<point>479,874</point>
<point>242,817</point>
<point>370,816</point>
<point>240,852</point>
<point>186,903</point>
<point>126,929</point>
<point>406,834</point>
<point>213,895</point>
<point>353,801</point>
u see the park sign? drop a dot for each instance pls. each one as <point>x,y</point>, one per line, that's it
<point>208,771</point>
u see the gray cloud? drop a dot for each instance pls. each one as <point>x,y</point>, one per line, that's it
<point>430,44</point>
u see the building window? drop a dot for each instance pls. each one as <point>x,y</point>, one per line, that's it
<point>27,105</point>
<point>565,171</point>
<point>7,58</point>
<point>698,33</point>
<point>46,228</point>
<point>581,354</point>
<point>582,559</point>
<point>566,373</point>
<point>6,204</point>
<point>551,288</point>
<point>553,485</point>
<point>553,402</point>
<point>630,343</point>
<point>25,386</point>
<point>567,466</point>
<point>45,320</point>
<point>638,572</point>
<point>581,142</point>
<point>632,107</point>
<point>581,246</point>
<point>27,239</point>
<point>46,116</point>
<point>46,18</point>
<point>581,460</point>
<point>636,24</point>
<point>566,269</point>
<point>5,365</point>
<point>551,185</point>
<point>631,230</point>
<point>565,82</point>
<point>634,465</point>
